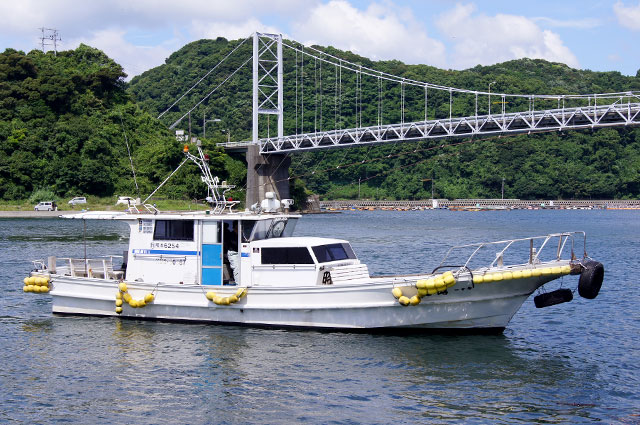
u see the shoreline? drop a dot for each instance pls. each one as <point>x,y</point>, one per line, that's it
<point>479,204</point>
<point>31,214</point>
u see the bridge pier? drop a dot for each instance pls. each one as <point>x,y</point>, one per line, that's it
<point>268,173</point>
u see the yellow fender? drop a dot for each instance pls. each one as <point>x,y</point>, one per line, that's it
<point>211,296</point>
<point>36,284</point>
<point>123,296</point>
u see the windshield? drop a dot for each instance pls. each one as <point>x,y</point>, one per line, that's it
<point>266,229</point>
<point>333,252</point>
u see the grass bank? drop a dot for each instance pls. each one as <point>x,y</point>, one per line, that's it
<point>95,203</point>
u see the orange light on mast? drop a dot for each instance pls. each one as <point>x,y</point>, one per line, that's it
<point>185,149</point>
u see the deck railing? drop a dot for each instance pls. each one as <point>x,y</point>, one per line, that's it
<point>533,253</point>
<point>100,268</point>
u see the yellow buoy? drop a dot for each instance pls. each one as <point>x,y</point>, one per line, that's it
<point>126,297</point>
<point>496,277</point>
<point>233,299</point>
<point>547,271</point>
<point>122,286</point>
<point>397,292</point>
<point>422,292</point>
<point>430,284</point>
<point>217,300</point>
<point>25,288</point>
<point>32,280</point>
<point>488,278</point>
<point>566,269</point>
<point>38,281</point>
<point>133,303</point>
<point>404,300</point>
<point>149,298</point>
<point>536,272</point>
<point>36,288</point>
<point>448,278</point>
<point>241,292</point>
<point>421,284</point>
<point>415,300</point>
<point>119,310</point>
<point>478,279</point>
<point>432,291</point>
<point>557,270</point>
<point>141,303</point>
<point>517,274</point>
<point>26,281</point>
<point>507,276</point>
<point>526,273</point>
<point>44,289</point>
<point>118,295</point>
<point>118,303</point>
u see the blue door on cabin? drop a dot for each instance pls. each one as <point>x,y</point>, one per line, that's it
<point>211,254</point>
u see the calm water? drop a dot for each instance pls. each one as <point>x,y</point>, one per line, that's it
<point>572,363</point>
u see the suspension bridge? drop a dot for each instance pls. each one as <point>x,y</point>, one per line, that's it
<point>425,111</point>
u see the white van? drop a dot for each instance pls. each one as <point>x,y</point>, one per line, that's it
<point>78,200</point>
<point>46,206</point>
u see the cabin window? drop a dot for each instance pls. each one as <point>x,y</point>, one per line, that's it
<point>333,252</point>
<point>173,230</point>
<point>289,255</point>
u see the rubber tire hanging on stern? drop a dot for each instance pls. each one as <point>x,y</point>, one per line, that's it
<point>590,279</point>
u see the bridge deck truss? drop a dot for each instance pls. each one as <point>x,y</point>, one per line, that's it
<point>591,117</point>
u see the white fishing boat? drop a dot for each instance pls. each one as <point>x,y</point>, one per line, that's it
<point>247,268</point>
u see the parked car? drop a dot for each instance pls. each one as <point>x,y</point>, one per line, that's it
<point>78,200</point>
<point>126,200</point>
<point>46,206</point>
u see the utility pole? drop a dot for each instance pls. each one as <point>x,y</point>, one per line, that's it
<point>359,178</point>
<point>52,35</point>
<point>503,188</point>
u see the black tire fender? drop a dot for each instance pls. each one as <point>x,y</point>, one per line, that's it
<point>590,279</point>
<point>559,296</point>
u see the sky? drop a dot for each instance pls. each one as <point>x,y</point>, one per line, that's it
<point>141,34</point>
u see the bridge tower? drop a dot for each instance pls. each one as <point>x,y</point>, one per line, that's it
<point>267,173</point>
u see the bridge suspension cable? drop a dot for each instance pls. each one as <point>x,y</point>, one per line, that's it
<point>203,77</point>
<point>353,67</point>
<point>210,93</point>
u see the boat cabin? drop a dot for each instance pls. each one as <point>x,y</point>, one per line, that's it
<point>234,249</point>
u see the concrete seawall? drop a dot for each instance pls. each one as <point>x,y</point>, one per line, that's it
<point>508,203</point>
<point>32,214</point>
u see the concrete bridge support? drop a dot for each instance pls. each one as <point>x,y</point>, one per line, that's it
<point>266,173</point>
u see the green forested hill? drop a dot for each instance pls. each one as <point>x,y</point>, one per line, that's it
<point>600,164</point>
<point>63,121</point>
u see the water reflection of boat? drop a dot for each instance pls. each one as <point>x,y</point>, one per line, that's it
<point>247,268</point>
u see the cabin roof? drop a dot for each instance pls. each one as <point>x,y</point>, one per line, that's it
<point>296,241</point>
<point>190,215</point>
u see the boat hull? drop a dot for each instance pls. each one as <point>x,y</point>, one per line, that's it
<point>366,305</point>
